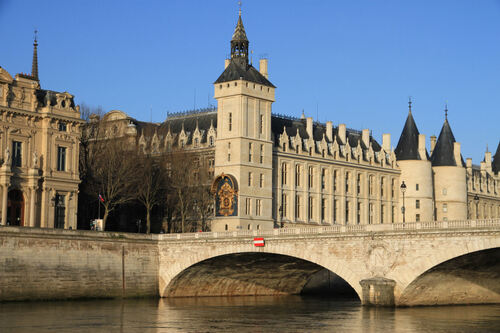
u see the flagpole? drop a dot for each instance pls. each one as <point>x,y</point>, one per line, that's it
<point>99,208</point>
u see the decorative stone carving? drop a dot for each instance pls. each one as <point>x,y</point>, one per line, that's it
<point>7,157</point>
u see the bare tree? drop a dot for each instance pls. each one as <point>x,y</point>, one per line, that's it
<point>203,199</point>
<point>150,183</point>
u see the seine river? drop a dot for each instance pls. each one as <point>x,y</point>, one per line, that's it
<point>241,314</point>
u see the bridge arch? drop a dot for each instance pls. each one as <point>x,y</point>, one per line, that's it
<point>307,264</point>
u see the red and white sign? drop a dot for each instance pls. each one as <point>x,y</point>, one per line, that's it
<point>258,241</point>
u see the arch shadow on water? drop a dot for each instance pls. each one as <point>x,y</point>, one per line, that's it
<point>251,273</point>
<point>473,278</point>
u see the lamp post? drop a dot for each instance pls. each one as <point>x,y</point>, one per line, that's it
<point>403,190</point>
<point>476,200</point>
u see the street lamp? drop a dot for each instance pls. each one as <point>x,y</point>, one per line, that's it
<point>403,190</point>
<point>476,200</point>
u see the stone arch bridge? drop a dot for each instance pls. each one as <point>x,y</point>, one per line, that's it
<point>426,263</point>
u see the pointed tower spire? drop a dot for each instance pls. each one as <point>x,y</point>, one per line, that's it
<point>496,160</point>
<point>34,65</point>
<point>239,43</point>
<point>407,148</point>
<point>443,153</point>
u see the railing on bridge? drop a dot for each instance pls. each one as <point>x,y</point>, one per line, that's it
<point>339,229</point>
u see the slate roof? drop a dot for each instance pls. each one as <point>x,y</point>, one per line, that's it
<point>239,32</point>
<point>496,160</point>
<point>443,153</point>
<point>235,71</point>
<point>407,148</point>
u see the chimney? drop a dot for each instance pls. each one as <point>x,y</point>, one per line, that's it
<point>433,142</point>
<point>342,134</point>
<point>263,68</point>
<point>469,163</point>
<point>329,131</point>
<point>226,63</point>
<point>456,151</point>
<point>421,147</point>
<point>309,127</point>
<point>365,136</point>
<point>487,159</point>
<point>386,142</point>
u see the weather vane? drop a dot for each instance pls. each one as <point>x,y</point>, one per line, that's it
<point>446,110</point>
<point>409,102</point>
<point>36,35</point>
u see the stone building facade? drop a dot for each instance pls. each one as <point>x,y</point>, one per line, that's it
<point>39,141</point>
<point>272,170</point>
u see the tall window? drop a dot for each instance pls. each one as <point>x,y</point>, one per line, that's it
<point>297,175</point>
<point>347,182</point>
<point>370,220</point>
<point>61,158</point>
<point>417,187</point>
<point>335,210</point>
<point>323,209</point>
<point>261,180</point>
<point>311,208</point>
<point>335,181</point>
<point>297,207</point>
<point>359,213</point>
<point>347,204</point>
<point>311,177</point>
<point>382,187</point>
<point>60,211</point>
<point>417,204</point>
<point>249,179</point>
<point>323,179</point>
<point>392,187</point>
<point>358,183</point>
<point>261,159</point>
<point>284,204</point>
<point>230,122</point>
<point>382,217</point>
<point>261,124</point>
<point>370,185</point>
<point>393,214</point>
<point>229,151</point>
<point>250,148</point>
<point>417,218</point>
<point>284,173</point>
<point>247,206</point>
<point>16,153</point>
<point>258,207</point>
<point>445,208</point>
<point>211,141</point>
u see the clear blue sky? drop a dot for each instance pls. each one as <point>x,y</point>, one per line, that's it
<point>353,62</point>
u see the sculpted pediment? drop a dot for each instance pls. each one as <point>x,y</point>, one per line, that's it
<point>5,76</point>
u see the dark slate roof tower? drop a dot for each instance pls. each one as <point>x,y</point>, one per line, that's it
<point>496,160</point>
<point>407,148</point>
<point>239,66</point>
<point>443,153</point>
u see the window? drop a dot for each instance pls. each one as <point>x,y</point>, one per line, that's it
<point>284,172</point>
<point>247,206</point>
<point>311,177</point>
<point>323,179</point>
<point>359,213</point>
<point>196,142</point>
<point>284,204</point>
<point>225,227</point>
<point>61,158</point>
<point>382,217</point>
<point>297,207</point>
<point>261,159</point>
<point>249,227</point>
<point>358,184</point>
<point>382,187</point>
<point>393,213</point>
<point>335,181</point>
<point>417,204</point>
<point>335,209</point>
<point>230,123</point>
<point>229,151</point>
<point>311,208</point>
<point>445,208</point>
<point>62,127</point>
<point>417,218</point>
<point>261,180</point>
<point>416,187</point>
<point>249,179</point>
<point>347,182</point>
<point>16,153</point>
<point>250,148</point>
<point>323,209</point>
<point>182,143</point>
<point>258,207</point>
<point>60,211</point>
<point>370,220</point>
<point>392,188</point>
<point>261,124</point>
<point>211,141</point>
<point>347,204</point>
<point>370,185</point>
<point>445,191</point>
<point>297,175</point>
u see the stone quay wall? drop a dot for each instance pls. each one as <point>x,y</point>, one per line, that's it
<point>39,264</point>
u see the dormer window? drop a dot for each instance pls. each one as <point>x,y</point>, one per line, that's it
<point>196,141</point>
<point>211,141</point>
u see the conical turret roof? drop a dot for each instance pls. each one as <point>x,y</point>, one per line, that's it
<point>443,153</point>
<point>496,160</point>
<point>407,148</point>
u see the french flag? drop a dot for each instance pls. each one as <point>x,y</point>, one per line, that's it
<point>101,198</point>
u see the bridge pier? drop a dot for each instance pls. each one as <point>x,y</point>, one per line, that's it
<point>377,291</point>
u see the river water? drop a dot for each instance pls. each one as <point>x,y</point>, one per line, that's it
<point>241,314</point>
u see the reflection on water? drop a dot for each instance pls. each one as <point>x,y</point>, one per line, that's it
<point>241,314</point>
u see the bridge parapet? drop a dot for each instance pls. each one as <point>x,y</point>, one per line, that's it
<point>340,229</point>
